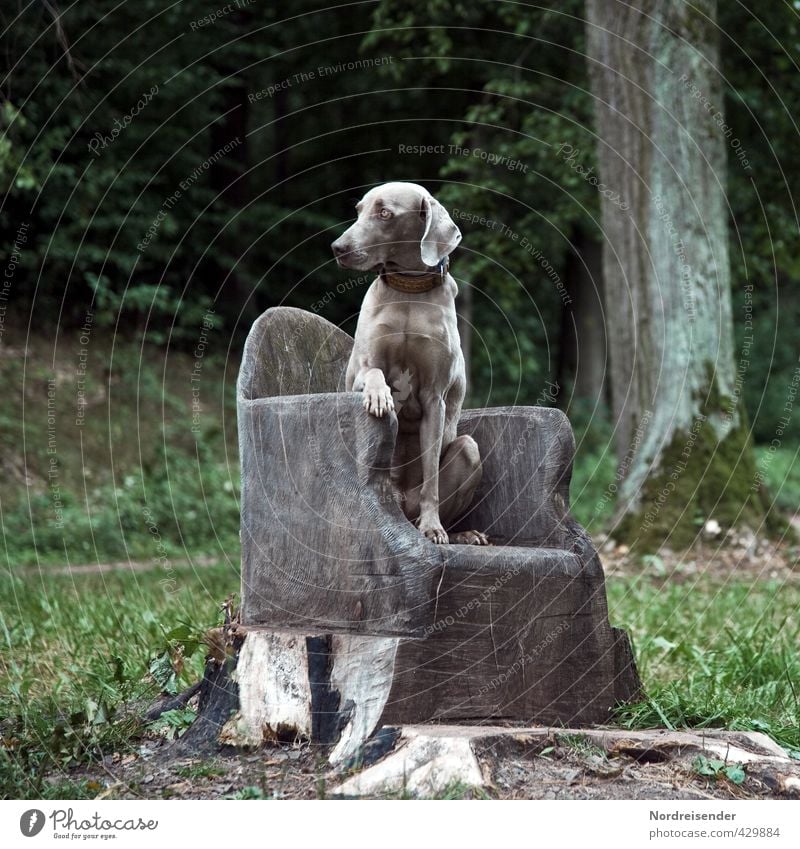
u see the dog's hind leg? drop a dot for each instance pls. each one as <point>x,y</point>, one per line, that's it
<point>460,473</point>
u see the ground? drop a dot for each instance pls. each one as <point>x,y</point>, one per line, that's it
<point>557,765</point>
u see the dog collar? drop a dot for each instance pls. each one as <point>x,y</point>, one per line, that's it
<point>416,282</point>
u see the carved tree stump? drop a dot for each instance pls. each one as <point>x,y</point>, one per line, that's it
<point>351,619</point>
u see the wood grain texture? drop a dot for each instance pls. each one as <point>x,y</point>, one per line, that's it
<point>363,674</point>
<point>520,634</point>
<point>325,547</point>
<point>654,72</point>
<point>516,631</point>
<point>523,497</point>
<point>293,352</point>
<point>274,691</point>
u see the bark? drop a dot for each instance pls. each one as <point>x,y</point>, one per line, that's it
<point>682,443</point>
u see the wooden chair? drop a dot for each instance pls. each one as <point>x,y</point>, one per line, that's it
<point>347,604</point>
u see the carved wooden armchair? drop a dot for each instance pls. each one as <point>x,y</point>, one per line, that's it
<point>518,630</point>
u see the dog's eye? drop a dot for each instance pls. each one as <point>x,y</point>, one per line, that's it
<point>385,213</point>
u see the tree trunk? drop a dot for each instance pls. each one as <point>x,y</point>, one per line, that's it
<point>682,441</point>
<point>583,358</point>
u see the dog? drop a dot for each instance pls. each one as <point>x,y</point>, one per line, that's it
<point>407,335</point>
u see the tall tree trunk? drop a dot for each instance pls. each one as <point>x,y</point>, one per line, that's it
<point>682,440</point>
<point>583,351</point>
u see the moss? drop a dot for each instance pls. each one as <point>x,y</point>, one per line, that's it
<point>701,478</point>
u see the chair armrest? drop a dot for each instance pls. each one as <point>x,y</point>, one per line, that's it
<point>325,545</point>
<point>523,497</point>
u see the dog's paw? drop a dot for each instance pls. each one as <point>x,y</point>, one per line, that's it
<point>469,538</point>
<point>378,402</point>
<point>434,532</point>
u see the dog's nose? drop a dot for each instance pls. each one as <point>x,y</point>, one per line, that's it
<point>339,249</point>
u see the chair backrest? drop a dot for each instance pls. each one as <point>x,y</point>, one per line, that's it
<point>293,352</point>
<point>523,496</point>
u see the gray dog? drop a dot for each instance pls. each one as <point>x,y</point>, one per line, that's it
<point>407,337</point>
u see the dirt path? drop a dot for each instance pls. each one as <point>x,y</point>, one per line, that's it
<point>202,561</point>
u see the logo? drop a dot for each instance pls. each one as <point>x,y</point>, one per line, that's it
<point>31,822</point>
<point>401,389</point>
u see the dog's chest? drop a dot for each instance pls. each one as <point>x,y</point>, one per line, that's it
<point>416,338</point>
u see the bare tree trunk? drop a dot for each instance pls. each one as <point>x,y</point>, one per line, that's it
<point>583,358</point>
<point>682,442</point>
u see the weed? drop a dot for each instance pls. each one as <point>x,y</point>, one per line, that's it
<point>716,769</point>
<point>204,769</point>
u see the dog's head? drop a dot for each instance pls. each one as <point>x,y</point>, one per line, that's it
<point>400,226</point>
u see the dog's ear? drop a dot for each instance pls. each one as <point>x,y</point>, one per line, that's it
<point>441,236</point>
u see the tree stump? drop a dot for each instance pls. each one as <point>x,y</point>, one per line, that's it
<point>351,619</point>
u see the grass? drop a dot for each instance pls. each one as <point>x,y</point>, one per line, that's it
<point>150,471</point>
<point>135,482</point>
<point>714,653</point>
<point>77,650</point>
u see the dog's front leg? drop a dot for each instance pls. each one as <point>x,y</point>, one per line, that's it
<point>430,444</point>
<point>377,395</point>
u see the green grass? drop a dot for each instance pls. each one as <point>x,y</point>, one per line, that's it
<point>781,469</point>
<point>136,482</point>
<point>714,653</point>
<point>76,651</point>
<point>134,479</point>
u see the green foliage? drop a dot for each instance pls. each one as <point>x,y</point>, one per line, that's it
<point>713,654</point>
<point>175,722</point>
<point>520,207</point>
<point>95,142</point>
<point>782,473</point>
<point>250,792</point>
<point>77,662</point>
<point>762,84</point>
<point>716,769</point>
<point>134,480</point>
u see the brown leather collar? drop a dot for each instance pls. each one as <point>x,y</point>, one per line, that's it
<point>414,282</point>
